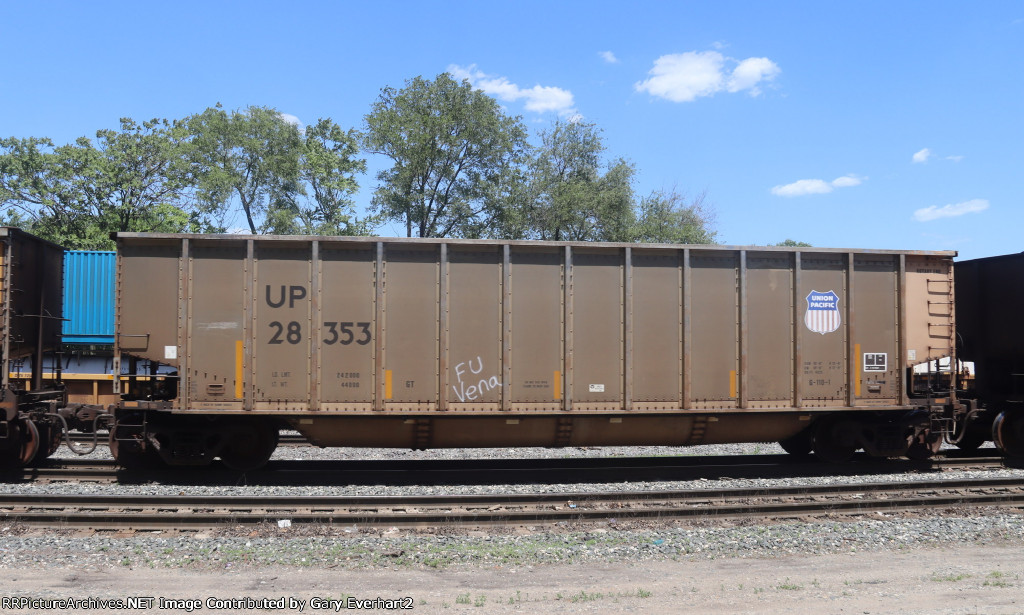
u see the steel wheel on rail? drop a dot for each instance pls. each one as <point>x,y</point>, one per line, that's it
<point>1008,433</point>
<point>249,445</point>
<point>130,450</point>
<point>969,432</point>
<point>10,447</point>
<point>799,445</point>
<point>30,442</point>
<point>971,442</point>
<point>835,439</point>
<point>50,437</point>
<point>22,444</point>
<point>924,447</point>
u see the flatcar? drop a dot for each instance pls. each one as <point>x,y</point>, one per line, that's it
<point>223,340</point>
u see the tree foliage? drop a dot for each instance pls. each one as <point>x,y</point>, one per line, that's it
<point>574,200</point>
<point>461,167</point>
<point>329,168</point>
<point>666,217</point>
<point>320,201</point>
<point>133,179</point>
<point>573,196</point>
<point>453,152</point>
<point>185,176</point>
<point>251,156</point>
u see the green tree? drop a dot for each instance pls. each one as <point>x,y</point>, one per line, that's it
<point>454,155</point>
<point>573,200</point>
<point>161,176</point>
<point>132,179</point>
<point>252,156</point>
<point>509,204</point>
<point>329,166</point>
<point>38,192</point>
<point>665,217</point>
<point>283,179</point>
<point>791,243</point>
<point>139,180</point>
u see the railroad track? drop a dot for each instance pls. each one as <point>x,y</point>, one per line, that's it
<point>191,513</point>
<point>489,471</point>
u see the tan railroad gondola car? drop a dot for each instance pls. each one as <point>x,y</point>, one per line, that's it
<point>460,343</point>
<point>31,297</point>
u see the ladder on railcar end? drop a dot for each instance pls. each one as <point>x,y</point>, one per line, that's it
<point>4,317</point>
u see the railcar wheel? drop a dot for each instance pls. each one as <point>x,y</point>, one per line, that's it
<point>969,434</point>
<point>50,437</point>
<point>130,454</point>
<point>799,445</point>
<point>1008,433</point>
<point>971,441</point>
<point>22,444</point>
<point>834,440</point>
<point>249,446</point>
<point>924,448</point>
<point>11,446</point>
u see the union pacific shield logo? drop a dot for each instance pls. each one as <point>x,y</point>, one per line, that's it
<point>822,314</point>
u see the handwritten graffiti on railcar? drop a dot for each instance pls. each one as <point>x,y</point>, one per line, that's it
<point>471,392</point>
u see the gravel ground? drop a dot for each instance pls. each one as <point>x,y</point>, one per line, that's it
<point>603,553</point>
<point>609,540</point>
<point>311,453</point>
<point>352,547</point>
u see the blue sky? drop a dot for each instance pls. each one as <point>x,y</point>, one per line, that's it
<point>891,125</point>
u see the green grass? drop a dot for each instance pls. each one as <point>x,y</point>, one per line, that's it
<point>997,578</point>
<point>949,577</point>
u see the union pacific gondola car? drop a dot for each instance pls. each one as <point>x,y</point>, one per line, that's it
<point>459,343</point>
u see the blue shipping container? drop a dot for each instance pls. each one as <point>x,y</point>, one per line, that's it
<point>89,297</point>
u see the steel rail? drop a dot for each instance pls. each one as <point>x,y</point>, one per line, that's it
<point>192,512</point>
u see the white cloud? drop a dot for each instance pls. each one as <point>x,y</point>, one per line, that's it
<point>846,181</point>
<point>608,57</point>
<point>926,154</point>
<point>684,77</point>
<point>750,72</point>
<point>803,187</point>
<point>538,98</point>
<point>927,214</point>
<point>291,119</point>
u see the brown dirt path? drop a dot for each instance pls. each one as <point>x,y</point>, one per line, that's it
<point>961,579</point>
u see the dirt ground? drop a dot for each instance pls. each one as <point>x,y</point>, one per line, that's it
<point>964,579</point>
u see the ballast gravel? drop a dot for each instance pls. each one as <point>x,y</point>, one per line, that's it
<point>356,548</point>
<point>447,546</point>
